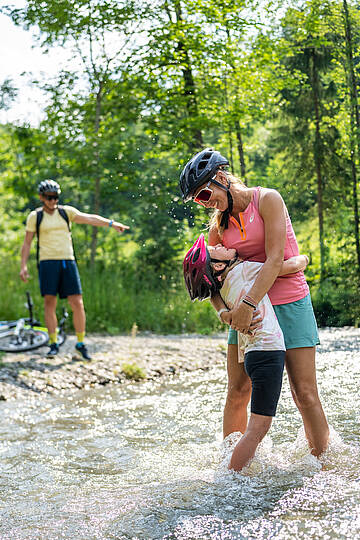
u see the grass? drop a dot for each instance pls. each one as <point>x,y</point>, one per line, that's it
<point>119,302</point>
<point>133,372</point>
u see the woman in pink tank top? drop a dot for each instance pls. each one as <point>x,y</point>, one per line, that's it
<point>256,223</point>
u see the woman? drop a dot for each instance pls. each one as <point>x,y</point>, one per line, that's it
<point>256,223</point>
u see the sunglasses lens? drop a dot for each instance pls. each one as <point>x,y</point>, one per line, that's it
<point>52,197</point>
<point>203,195</point>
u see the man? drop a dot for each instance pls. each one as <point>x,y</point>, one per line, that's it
<point>58,272</point>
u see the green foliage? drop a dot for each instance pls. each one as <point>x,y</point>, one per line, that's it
<point>154,83</point>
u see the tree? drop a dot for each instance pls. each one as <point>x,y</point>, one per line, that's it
<point>87,28</point>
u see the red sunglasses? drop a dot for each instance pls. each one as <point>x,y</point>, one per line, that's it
<point>204,194</point>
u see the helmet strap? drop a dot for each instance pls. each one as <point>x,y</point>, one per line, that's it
<point>226,215</point>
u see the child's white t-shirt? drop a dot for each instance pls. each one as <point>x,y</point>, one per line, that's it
<point>237,284</point>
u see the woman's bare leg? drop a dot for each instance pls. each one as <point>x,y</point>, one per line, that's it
<point>300,365</point>
<point>245,449</point>
<point>238,396</point>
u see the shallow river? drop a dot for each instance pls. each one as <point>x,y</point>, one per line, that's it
<point>146,461</point>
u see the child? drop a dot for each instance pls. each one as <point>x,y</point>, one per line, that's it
<point>212,269</point>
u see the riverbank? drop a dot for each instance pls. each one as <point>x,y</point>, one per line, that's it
<point>115,360</point>
<point>120,359</point>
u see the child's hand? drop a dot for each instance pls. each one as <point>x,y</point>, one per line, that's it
<point>226,317</point>
<point>306,261</point>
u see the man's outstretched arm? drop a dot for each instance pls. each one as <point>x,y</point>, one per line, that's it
<point>99,221</point>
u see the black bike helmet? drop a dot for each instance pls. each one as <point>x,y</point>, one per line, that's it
<point>199,170</point>
<point>198,275</point>
<point>49,186</point>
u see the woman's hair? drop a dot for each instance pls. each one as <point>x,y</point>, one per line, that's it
<point>216,216</point>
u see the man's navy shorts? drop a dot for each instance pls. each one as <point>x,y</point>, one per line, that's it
<point>265,369</point>
<point>59,277</point>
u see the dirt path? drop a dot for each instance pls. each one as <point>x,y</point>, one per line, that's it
<point>115,360</point>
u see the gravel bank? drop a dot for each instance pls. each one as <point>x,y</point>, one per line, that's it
<point>116,359</point>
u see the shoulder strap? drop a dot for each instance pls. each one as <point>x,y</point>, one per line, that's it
<point>39,217</point>
<point>64,215</point>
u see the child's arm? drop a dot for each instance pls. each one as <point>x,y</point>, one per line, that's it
<point>219,304</point>
<point>294,264</point>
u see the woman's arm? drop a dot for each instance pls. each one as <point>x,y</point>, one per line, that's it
<point>214,237</point>
<point>294,264</point>
<point>272,210</point>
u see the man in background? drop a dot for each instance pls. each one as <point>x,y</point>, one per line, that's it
<point>58,271</point>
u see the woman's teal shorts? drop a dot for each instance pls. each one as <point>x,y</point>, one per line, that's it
<point>297,321</point>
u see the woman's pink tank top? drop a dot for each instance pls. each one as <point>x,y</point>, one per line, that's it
<point>248,238</point>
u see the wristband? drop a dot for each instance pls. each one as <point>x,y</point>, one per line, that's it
<point>248,304</point>
<point>111,222</point>
<point>222,310</point>
<point>250,301</point>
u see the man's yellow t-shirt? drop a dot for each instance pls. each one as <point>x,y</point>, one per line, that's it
<point>54,235</point>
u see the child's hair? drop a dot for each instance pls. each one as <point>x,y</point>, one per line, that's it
<point>216,216</point>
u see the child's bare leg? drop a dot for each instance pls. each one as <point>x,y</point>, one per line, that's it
<point>245,450</point>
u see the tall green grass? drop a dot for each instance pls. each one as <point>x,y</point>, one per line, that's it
<point>116,302</point>
<point>119,298</point>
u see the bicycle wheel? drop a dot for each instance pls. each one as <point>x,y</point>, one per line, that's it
<point>28,339</point>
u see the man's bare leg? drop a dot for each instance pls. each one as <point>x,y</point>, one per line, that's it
<point>79,317</point>
<point>50,313</point>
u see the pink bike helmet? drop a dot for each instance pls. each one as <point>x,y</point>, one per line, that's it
<point>198,275</point>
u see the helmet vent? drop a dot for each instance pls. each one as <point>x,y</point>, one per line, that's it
<point>196,255</point>
<point>202,165</point>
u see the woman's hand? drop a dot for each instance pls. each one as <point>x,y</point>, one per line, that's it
<point>241,318</point>
<point>256,322</point>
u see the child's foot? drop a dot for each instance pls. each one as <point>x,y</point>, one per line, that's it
<point>81,348</point>
<point>54,349</point>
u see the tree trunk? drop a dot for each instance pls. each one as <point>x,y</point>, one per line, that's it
<point>354,192</point>
<point>241,151</point>
<point>318,158</point>
<point>97,200</point>
<point>196,140</point>
<point>354,124</point>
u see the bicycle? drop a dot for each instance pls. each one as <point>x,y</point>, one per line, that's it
<point>26,333</point>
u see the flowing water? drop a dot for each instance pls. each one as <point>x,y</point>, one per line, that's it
<point>146,461</point>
